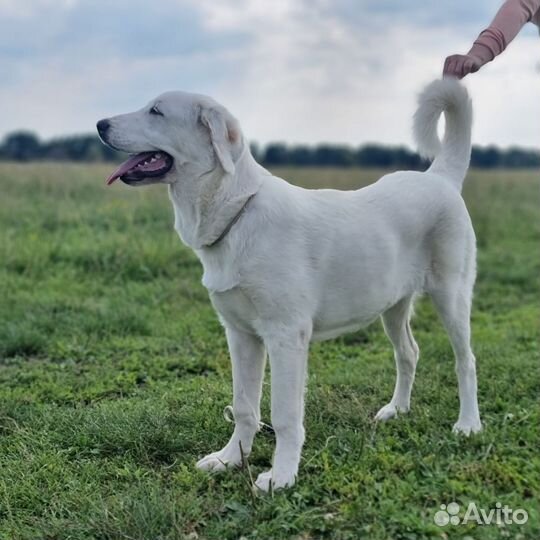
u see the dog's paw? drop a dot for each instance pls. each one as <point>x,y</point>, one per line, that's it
<point>219,461</point>
<point>466,427</point>
<point>389,411</point>
<point>268,481</point>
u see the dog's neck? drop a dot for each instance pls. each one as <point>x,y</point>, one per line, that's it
<point>206,207</point>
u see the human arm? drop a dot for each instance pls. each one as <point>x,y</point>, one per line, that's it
<point>491,42</point>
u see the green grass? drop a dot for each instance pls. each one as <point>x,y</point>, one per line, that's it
<point>114,373</point>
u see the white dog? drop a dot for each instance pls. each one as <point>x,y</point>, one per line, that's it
<point>285,266</point>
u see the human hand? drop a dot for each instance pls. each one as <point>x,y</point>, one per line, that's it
<point>459,65</point>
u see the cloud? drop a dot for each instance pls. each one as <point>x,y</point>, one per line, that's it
<point>293,70</point>
<point>332,71</point>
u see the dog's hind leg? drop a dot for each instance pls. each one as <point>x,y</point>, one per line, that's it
<point>397,327</point>
<point>453,302</point>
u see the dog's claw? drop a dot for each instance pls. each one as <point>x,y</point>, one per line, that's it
<point>216,462</point>
<point>467,427</point>
<point>267,481</point>
<point>389,411</point>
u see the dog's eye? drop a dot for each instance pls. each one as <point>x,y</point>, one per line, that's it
<point>155,110</point>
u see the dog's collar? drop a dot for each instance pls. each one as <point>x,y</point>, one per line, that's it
<point>229,226</point>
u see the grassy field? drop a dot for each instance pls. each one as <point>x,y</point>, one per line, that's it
<point>114,373</point>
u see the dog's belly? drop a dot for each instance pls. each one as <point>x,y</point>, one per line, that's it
<point>338,300</point>
<point>236,309</point>
<point>350,297</point>
<point>329,332</point>
<point>340,315</point>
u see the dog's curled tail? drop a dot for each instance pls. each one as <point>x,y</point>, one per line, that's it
<point>452,156</point>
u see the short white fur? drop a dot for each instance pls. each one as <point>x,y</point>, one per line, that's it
<point>302,265</point>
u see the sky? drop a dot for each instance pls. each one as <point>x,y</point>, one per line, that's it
<point>298,71</point>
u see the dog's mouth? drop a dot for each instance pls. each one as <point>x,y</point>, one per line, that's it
<point>142,166</point>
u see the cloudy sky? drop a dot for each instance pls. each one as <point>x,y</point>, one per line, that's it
<point>290,70</point>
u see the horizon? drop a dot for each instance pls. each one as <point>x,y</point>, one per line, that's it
<point>289,144</point>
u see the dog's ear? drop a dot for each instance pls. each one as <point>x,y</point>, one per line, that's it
<point>224,134</point>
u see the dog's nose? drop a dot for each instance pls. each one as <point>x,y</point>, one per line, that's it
<point>102,127</point>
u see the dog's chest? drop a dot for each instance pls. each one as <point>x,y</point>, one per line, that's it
<point>220,270</point>
<point>235,308</point>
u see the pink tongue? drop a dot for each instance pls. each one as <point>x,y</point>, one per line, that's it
<point>133,161</point>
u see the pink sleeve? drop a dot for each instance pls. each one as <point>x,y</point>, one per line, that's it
<point>509,20</point>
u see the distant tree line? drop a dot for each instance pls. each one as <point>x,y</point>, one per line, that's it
<point>377,155</point>
<point>26,146</point>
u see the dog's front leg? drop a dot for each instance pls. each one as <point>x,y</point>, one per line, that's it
<point>248,359</point>
<point>288,351</point>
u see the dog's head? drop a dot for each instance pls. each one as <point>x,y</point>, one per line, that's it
<point>176,136</point>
